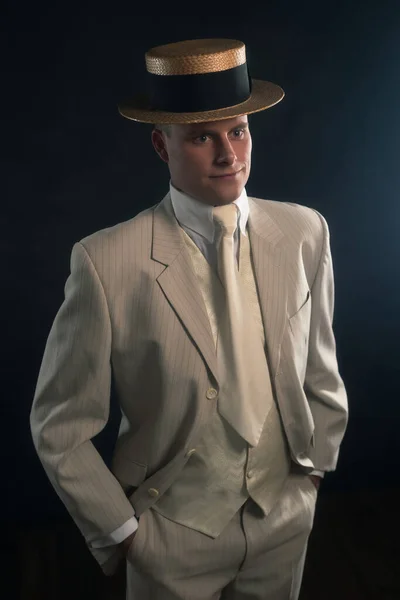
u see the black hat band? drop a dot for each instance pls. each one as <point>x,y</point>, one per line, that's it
<point>199,92</point>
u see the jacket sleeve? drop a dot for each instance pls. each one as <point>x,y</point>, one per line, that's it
<point>323,385</point>
<point>71,405</point>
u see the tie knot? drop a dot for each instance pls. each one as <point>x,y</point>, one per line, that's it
<point>226,217</point>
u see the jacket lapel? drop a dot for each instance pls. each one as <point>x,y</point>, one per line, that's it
<point>269,255</point>
<point>180,286</point>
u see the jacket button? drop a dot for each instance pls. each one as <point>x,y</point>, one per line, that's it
<point>211,393</point>
<point>192,451</point>
<point>250,474</point>
<point>153,492</point>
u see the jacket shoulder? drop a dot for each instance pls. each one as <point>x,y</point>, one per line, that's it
<point>305,231</point>
<point>293,218</point>
<point>116,235</point>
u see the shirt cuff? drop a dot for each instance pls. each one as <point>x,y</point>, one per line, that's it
<point>118,535</point>
<point>319,473</point>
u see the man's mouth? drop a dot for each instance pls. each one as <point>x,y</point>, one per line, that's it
<point>226,175</point>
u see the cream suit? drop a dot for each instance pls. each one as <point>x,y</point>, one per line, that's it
<point>134,312</point>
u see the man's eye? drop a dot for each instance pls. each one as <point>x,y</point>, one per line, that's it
<point>203,138</point>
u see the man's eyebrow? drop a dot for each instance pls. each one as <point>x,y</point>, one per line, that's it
<point>204,129</point>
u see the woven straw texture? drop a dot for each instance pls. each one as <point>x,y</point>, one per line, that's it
<point>193,57</point>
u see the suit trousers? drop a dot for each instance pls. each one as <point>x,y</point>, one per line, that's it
<point>256,557</point>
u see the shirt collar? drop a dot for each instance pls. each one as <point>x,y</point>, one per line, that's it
<point>198,216</point>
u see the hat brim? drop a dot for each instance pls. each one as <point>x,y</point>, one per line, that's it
<point>264,94</point>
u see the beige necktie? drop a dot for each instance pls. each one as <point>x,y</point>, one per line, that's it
<point>246,396</point>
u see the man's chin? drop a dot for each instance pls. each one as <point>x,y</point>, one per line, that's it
<point>225,195</point>
<point>225,198</point>
<point>218,197</point>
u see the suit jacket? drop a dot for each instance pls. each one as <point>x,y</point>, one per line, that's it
<point>134,314</point>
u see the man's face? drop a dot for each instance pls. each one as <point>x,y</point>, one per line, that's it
<point>199,154</point>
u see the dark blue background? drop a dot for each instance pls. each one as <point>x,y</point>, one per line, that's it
<point>72,165</point>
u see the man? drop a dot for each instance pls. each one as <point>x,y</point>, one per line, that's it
<point>212,313</point>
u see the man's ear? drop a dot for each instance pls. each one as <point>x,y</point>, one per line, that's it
<point>158,141</point>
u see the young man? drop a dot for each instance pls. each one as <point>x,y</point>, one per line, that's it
<point>212,312</point>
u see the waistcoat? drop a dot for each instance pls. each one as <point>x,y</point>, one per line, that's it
<point>224,471</point>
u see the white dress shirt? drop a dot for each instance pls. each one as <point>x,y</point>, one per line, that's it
<point>196,218</point>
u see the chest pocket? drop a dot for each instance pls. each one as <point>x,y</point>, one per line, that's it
<point>299,322</point>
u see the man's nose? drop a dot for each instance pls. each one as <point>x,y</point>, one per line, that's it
<point>225,153</point>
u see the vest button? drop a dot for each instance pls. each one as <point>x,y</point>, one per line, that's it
<point>192,451</point>
<point>153,492</point>
<point>250,474</point>
<point>211,393</point>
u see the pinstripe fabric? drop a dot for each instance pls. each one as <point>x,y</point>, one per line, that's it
<point>133,308</point>
<point>224,470</point>
<point>255,557</point>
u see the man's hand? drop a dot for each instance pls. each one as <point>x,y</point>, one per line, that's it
<point>316,479</point>
<point>125,544</point>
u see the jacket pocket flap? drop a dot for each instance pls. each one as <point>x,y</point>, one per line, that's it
<point>302,305</point>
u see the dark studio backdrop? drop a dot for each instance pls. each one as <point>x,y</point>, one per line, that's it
<point>73,165</point>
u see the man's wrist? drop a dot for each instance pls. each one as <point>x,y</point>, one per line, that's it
<point>316,480</point>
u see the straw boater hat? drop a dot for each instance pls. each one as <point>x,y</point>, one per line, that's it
<point>199,80</point>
